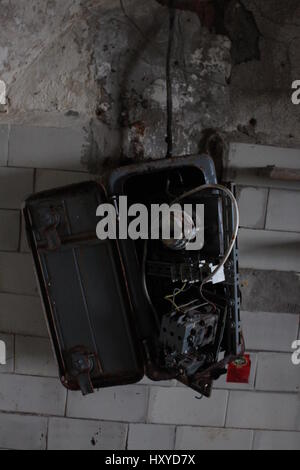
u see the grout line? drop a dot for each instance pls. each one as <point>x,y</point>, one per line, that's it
<point>127,436</point>
<point>12,252</point>
<point>14,413</point>
<point>34,180</point>
<point>175,436</point>
<point>24,335</point>
<point>148,404</point>
<point>14,352</point>
<point>8,144</point>
<point>253,439</point>
<point>18,294</point>
<point>8,209</point>
<point>252,229</point>
<point>30,168</point>
<point>47,433</point>
<point>256,369</point>
<point>20,231</point>
<point>66,404</point>
<point>267,209</point>
<point>256,182</point>
<point>227,409</point>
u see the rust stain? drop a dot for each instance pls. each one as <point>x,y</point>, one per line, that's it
<point>139,128</point>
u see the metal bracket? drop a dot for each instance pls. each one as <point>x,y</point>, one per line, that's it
<point>81,365</point>
<point>49,220</point>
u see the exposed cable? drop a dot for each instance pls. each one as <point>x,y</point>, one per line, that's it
<point>194,304</point>
<point>209,80</point>
<point>171,298</point>
<point>235,231</point>
<point>172,18</point>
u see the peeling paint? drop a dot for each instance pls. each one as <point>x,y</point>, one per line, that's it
<point>89,61</point>
<point>104,71</point>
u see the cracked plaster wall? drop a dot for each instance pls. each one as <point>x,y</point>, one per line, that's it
<point>87,63</point>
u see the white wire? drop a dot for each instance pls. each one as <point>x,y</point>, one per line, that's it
<point>192,304</point>
<point>236,228</point>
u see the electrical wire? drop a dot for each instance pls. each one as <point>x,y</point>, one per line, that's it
<point>171,298</point>
<point>192,304</point>
<point>236,222</point>
<point>172,18</point>
<point>208,81</point>
<point>235,231</point>
<point>180,308</point>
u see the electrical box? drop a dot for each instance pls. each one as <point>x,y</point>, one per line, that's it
<point>119,309</point>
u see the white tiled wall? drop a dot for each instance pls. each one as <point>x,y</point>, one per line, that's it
<point>276,440</point>
<point>24,282</point>
<point>34,356</point>
<point>283,211</point>
<point>73,434</point>
<point>277,373</point>
<point>246,162</point>
<point>279,411</point>
<point>181,405</point>
<point>37,395</point>
<point>15,185</point>
<point>270,250</point>
<point>9,230</point>
<point>153,436</point>
<point>22,315</point>
<point>19,432</point>
<point>189,438</point>
<point>253,206</point>
<point>126,404</point>
<point>46,147</point>
<point>46,179</point>
<point>36,411</point>
<point>270,331</point>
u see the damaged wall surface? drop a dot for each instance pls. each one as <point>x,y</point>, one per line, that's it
<point>82,87</point>
<point>101,65</point>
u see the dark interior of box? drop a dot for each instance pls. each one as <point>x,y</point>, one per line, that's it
<point>164,187</point>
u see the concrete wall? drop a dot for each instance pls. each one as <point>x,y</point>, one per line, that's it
<point>85,87</point>
<point>93,66</point>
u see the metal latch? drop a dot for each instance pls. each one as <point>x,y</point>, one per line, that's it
<point>49,220</point>
<point>81,365</point>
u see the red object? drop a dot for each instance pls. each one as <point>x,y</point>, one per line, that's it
<point>239,370</point>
